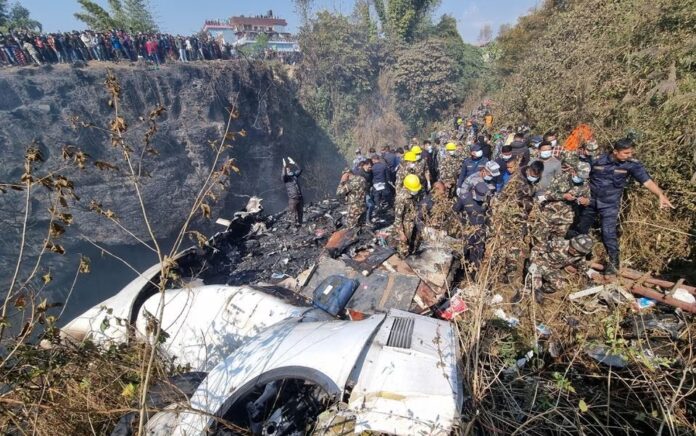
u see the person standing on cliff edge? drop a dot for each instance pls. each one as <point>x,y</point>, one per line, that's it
<point>291,180</point>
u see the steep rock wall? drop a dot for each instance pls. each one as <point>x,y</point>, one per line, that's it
<point>36,105</point>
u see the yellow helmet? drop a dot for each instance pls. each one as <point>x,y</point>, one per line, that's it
<point>451,146</point>
<point>412,183</point>
<point>416,149</point>
<point>410,156</point>
<point>459,120</point>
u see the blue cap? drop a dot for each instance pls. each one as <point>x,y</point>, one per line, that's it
<point>480,191</point>
<point>475,147</point>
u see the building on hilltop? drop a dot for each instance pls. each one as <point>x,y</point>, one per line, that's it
<point>241,31</point>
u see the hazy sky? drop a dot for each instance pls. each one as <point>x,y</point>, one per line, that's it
<point>187,16</point>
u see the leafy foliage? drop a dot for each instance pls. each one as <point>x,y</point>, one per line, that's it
<point>341,66</point>
<point>19,18</point>
<point>425,81</point>
<point>620,67</point>
<point>401,17</point>
<point>395,88</point>
<point>3,13</point>
<point>131,15</point>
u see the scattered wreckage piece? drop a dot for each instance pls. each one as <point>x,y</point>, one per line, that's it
<point>636,282</point>
<point>376,293</point>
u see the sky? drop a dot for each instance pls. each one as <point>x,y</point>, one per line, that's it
<point>187,16</point>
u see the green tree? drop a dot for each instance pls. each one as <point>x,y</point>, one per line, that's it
<point>20,18</point>
<point>426,82</point>
<point>257,48</point>
<point>339,70</point>
<point>401,17</point>
<point>3,13</point>
<point>138,16</point>
<point>130,15</point>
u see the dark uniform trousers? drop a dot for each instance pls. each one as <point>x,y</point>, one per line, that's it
<point>608,179</point>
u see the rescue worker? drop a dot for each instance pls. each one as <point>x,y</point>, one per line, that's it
<point>355,188</point>
<point>357,160</point>
<point>507,170</point>
<point>431,158</point>
<point>487,174</point>
<point>520,149</point>
<point>421,165</point>
<point>552,167</point>
<point>291,180</point>
<point>410,165</point>
<point>380,182</point>
<point>608,178</point>
<point>474,204</point>
<point>450,166</point>
<point>510,214</point>
<point>471,164</point>
<point>560,204</point>
<point>549,264</point>
<point>408,198</point>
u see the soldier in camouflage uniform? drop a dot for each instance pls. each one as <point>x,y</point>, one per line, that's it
<point>549,263</point>
<point>409,197</point>
<point>509,215</point>
<point>560,204</point>
<point>410,165</point>
<point>450,165</point>
<point>355,188</point>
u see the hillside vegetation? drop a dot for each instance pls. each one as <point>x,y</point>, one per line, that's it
<point>623,67</point>
<point>368,90</point>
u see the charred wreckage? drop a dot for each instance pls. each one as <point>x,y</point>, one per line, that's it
<point>294,330</point>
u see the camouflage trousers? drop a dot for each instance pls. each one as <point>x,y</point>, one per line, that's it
<point>355,214</point>
<point>554,222</point>
<point>412,242</point>
<point>546,278</point>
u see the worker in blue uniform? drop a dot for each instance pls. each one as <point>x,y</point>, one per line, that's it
<point>471,165</point>
<point>474,204</point>
<point>608,178</point>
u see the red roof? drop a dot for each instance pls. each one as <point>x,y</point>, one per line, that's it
<point>260,21</point>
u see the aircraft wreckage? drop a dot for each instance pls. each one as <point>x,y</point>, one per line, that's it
<point>291,331</point>
<point>286,333</point>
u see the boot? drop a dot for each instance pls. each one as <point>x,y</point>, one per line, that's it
<point>612,266</point>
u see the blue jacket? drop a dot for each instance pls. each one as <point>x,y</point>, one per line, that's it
<point>609,177</point>
<point>469,167</point>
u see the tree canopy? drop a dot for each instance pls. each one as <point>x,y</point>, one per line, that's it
<point>17,18</point>
<point>131,15</point>
<point>401,17</point>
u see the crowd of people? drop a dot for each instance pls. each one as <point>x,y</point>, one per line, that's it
<point>23,48</point>
<point>524,201</point>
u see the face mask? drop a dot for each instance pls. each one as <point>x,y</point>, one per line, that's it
<point>477,154</point>
<point>413,194</point>
<point>452,153</point>
<point>545,154</point>
<point>430,149</point>
<point>578,179</point>
<point>411,165</point>
<point>554,143</point>
<point>506,156</point>
<point>532,179</point>
<point>488,178</point>
<point>418,157</point>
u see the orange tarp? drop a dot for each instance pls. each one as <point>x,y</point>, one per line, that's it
<point>579,136</point>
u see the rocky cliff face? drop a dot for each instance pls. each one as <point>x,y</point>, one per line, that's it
<point>36,105</point>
